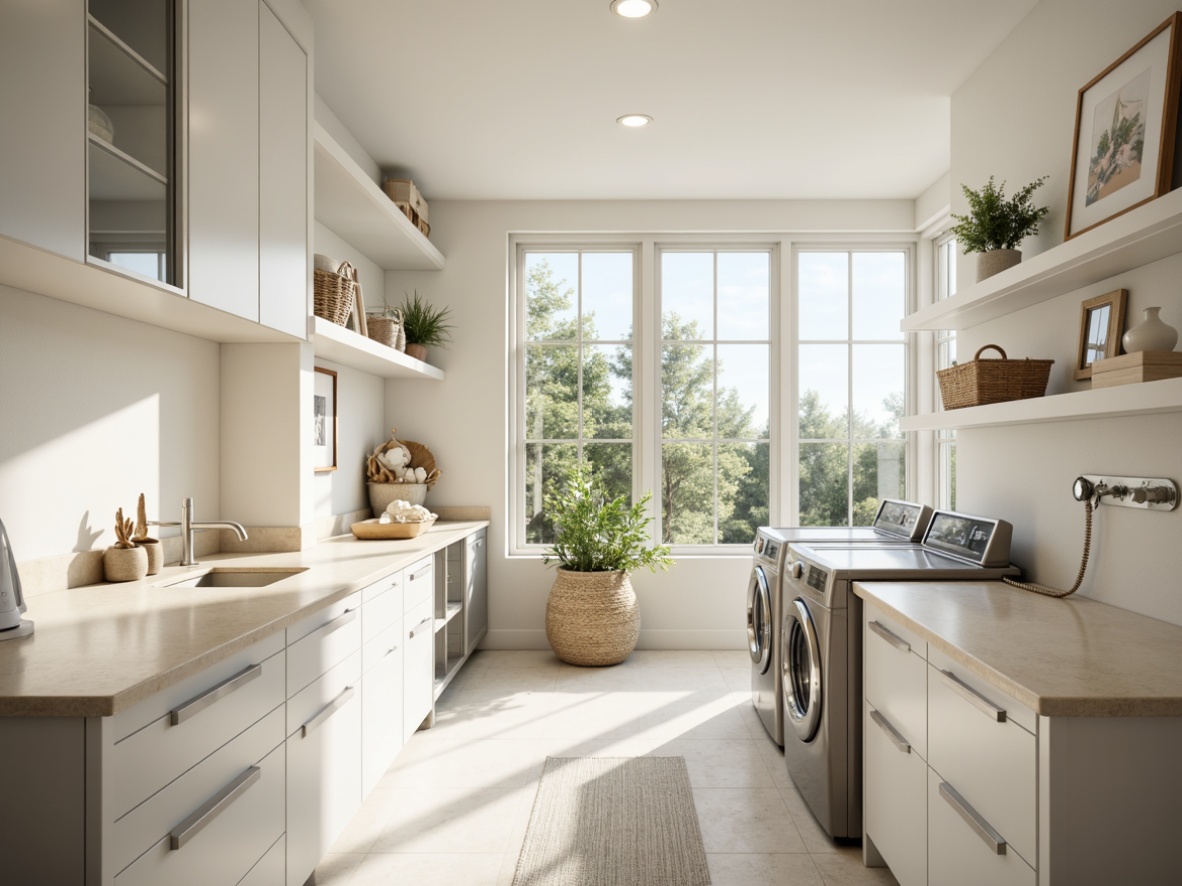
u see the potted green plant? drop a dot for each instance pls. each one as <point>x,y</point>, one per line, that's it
<point>995,226</point>
<point>592,617</point>
<point>424,325</point>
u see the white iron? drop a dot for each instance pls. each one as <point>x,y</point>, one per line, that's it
<point>12,599</point>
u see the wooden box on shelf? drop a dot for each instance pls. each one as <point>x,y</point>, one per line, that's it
<point>408,199</point>
<point>1134,368</point>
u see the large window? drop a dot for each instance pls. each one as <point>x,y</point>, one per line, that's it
<point>578,322</point>
<point>851,381</point>
<point>715,431</point>
<point>946,251</point>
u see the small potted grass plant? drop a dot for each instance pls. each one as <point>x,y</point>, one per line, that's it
<point>424,325</point>
<point>592,617</point>
<point>996,226</point>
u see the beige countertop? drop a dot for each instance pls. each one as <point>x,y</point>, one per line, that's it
<point>1072,657</point>
<point>99,649</point>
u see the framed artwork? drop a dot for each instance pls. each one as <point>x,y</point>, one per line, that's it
<point>1125,121</point>
<point>324,420</point>
<point>1101,324</point>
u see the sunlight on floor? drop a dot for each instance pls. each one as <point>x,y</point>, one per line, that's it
<point>454,806</point>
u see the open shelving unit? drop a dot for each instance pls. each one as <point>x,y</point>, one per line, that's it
<point>1139,237</point>
<point>461,605</point>
<point>344,346</point>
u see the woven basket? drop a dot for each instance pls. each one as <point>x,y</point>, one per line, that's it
<point>993,381</point>
<point>592,618</point>
<point>333,295</point>
<point>420,457</point>
<point>387,331</point>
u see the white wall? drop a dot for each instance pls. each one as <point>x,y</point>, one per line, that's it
<point>361,427</point>
<point>95,409</point>
<point>1014,118</point>
<point>464,419</point>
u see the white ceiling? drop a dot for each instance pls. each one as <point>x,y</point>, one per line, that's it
<point>477,99</point>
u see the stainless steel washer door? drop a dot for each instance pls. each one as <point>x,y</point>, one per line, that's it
<point>802,670</point>
<point>759,620</point>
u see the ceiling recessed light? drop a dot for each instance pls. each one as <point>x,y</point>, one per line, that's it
<point>634,8</point>
<point>634,120</point>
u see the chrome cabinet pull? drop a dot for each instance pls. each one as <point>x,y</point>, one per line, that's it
<point>390,651</point>
<point>336,624</point>
<point>980,826</point>
<point>417,575</point>
<point>891,732</point>
<point>973,697</point>
<point>212,808</point>
<point>327,711</point>
<point>199,703</point>
<point>422,624</point>
<point>890,636</point>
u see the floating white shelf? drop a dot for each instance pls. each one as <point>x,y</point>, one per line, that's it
<point>358,211</point>
<point>344,346</point>
<point>1146,398</point>
<point>1144,235</point>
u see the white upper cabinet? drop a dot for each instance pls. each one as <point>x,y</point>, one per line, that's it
<point>224,156</point>
<point>283,178</point>
<point>43,106</point>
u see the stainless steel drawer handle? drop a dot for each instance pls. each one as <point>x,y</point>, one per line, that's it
<point>426,622</point>
<point>212,808</point>
<point>415,576</point>
<point>973,697</point>
<point>327,711</point>
<point>890,636</point>
<point>891,732</point>
<point>336,624</point>
<point>390,651</point>
<point>199,703</point>
<point>980,826</point>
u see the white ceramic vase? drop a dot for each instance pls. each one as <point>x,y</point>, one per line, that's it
<point>1151,334</point>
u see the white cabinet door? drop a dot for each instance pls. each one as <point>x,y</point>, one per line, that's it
<point>476,592</point>
<point>962,845</point>
<point>323,766</point>
<point>43,136</point>
<point>224,156</point>
<point>418,693</point>
<point>283,178</point>
<point>381,706</point>
<point>895,783</point>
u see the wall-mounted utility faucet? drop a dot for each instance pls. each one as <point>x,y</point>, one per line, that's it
<point>188,526</point>
<point>1151,493</point>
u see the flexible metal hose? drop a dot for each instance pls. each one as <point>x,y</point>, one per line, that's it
<point>1087,548</point>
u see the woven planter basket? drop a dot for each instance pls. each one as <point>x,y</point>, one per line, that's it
<point>592,618</point>
<point>386,331</point>
<point>993,381</point>
<point>333,295</point>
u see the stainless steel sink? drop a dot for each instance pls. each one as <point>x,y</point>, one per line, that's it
<point>235,578</point>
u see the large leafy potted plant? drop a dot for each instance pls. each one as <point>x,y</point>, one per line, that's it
<point>424,325</point>
<point>592,617</point>
<point>996,226</point>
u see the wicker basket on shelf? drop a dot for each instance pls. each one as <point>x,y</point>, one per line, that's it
<point>993,381</point>
<point>387,331</point>
<point>333,295</point>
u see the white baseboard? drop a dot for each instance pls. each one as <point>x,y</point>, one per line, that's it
<point>649,639</point>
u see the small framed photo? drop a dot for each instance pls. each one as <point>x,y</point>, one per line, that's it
<point>1101,324</point>
<point>324,420</point>
<point>1125,126</point>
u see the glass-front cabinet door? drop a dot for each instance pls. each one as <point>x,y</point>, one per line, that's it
<point>132,137</point>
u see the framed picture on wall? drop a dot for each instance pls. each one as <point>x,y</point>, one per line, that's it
<point>324,420</point>
<point>1125,121</point>
<point>1101,324</point>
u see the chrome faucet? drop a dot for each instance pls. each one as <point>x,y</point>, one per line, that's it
<point>188,526</point>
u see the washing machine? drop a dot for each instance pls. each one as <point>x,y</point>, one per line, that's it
<point>897,522</point>
<point>821,639</point>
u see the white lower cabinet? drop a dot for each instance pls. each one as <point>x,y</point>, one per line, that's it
<point>418,694</point>
<point>323,765</point>
<point>895,810</point>
<point>963,847</point>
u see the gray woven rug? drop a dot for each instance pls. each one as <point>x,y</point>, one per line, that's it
<point>613,821</point>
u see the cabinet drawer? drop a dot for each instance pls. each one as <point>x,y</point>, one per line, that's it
<point>958,854</point>
<point>381,718</point>
<point>235,835</point>
<point>418,663</point>
<point>144,825</point>
<point>991,764</point>
<point>392,582</point>
<point>388,642</point>
<point>321,641</point>
<point>269,869</point>
<point>379,613</point>
<point>327,690</point>
<point>149,759</point>
<point>896,793</point>
<point>418,582</point>
<point>896,676</point>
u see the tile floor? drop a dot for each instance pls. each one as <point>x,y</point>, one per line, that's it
<point>454,806</point>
